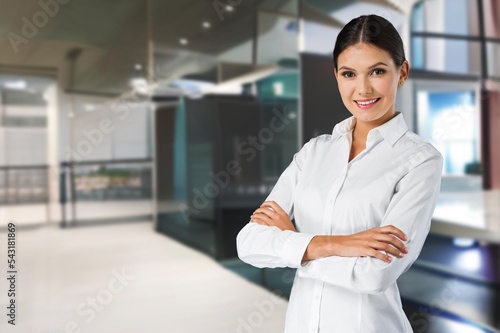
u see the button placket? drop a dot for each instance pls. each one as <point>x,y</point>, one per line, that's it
<point>332,197</point>
<point>315,306</point>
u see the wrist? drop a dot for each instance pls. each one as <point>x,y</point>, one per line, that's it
<point>321,246</point>
<point>333,245</point>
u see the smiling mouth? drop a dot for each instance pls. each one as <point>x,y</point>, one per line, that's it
<point>367,102</point>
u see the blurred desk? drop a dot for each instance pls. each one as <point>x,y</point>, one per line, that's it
<point>468,214</point>
<point>473,270</point>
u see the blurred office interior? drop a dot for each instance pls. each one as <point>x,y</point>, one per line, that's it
<point>143,133</point>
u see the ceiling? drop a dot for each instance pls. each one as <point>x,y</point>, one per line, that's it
<point>99,45</point>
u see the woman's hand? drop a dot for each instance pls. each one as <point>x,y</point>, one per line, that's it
<point>271,214</point>
<point>370,243</point>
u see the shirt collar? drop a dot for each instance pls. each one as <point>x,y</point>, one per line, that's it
<point>391,130</point>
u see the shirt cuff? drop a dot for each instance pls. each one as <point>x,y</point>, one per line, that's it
<point>333,269</point>
<point>294,248</point>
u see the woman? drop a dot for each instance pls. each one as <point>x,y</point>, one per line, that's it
<point>362,198</point>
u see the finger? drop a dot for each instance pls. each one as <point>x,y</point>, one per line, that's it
<point>392,250</point>
<point>377,254</point>
<point>395,231</point>
<point>399,245</point>
<point>266,212</point>
<point>277,208</point>
<point>263,217</point>
<point>382,246</point>
<point>256,219</point>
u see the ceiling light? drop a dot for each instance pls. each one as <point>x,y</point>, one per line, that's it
<point>15,85</point>
<point>253,75</point>
<point>183,41</point>
<point>206,25</point>
<point>278,88</point>
<point>89,107</point>
<point>138,67</point>
<point>139,84</point>
<point>229,8</point>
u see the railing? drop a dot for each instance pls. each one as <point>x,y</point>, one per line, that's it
<point>23,184</point>
<point>103,181</point>
<point>110,180</point>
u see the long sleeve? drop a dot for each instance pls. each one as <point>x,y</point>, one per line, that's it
<point>410,209</point>
<point>264,246</point>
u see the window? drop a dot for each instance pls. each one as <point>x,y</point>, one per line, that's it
<point>454,17</point>
<point>445,37</point>
<point>449,120</point>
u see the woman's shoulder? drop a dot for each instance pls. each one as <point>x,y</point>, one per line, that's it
<point>411,142</point>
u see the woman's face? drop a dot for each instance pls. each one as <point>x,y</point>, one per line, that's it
<point>368,80</point>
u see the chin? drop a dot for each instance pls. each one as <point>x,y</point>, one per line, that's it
<point>368,115</point>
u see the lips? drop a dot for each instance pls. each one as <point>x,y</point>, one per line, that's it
<point>367,102</point>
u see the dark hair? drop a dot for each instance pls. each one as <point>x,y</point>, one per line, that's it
<point>370,29</point>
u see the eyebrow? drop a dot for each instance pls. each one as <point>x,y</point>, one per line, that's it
<point>377,64</point>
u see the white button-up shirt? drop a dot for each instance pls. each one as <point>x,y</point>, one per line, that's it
<point>395,180</point>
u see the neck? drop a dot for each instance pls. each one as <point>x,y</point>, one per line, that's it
<point>361,128</point>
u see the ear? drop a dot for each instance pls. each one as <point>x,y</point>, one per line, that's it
<point>404,72</point>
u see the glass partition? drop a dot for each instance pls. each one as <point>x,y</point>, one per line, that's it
<point>96,191</point>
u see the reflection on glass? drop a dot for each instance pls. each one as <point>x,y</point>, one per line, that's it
<point>277,39</point>
<point>449,121</point>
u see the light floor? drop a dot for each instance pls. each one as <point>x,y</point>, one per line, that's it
<point>67,282</point>
<point>33,214</point>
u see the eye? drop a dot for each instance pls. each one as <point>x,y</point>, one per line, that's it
<point>379,71</point>
<point>347,74</point>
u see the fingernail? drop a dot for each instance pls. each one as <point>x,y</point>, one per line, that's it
<point>401,254</point>
<point>406,249</point>
<point>389,258</point>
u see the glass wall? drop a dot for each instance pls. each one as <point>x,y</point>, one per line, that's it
<point>232,127</point>
<point>445,37</point>
<point>448,46</point>
<point>24,171</point>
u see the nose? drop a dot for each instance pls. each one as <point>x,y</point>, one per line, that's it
<point>364,87</point>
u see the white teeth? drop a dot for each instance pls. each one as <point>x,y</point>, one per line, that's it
<point>367,102</point>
